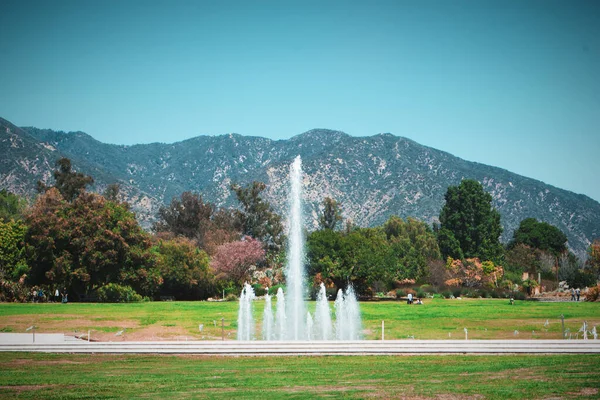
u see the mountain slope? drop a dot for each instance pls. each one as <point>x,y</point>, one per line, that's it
<point>373,177</point>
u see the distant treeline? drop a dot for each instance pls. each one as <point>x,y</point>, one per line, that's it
<point>90,247</point>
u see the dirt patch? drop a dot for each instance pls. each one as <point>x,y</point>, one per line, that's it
<point>25,361</point>
<point>59,323</point>
<point>585,392</point>
<point>26,388</point>
<point>325,389</point>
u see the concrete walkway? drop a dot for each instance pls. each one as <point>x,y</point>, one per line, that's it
<point>364,347</point>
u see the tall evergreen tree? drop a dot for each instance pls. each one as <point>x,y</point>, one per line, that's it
<point>540,235</point>
<point>68,182</point>
<point>257,217</point>
<point>469,216</point>
<point>332,214</point>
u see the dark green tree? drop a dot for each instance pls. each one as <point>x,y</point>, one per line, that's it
<point>184,269</point>
<point>87,244</point>
<point>540,235</point>
<point>332,214</point>
<point>12,249</point>
<point>188,216</point>
<point>11,206</point>
<point>449,246</point>
<point>68,182</point>
<point>412,245</point>
<point>257,218</point>
<point>474,223</point>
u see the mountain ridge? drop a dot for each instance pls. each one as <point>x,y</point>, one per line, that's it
<point>372,176</point>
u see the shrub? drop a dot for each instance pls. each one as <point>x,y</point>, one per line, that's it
<point>446,294</point>
<point>273,290</point>
<point>593,293</point>
<point>421,293</point>
<point>400,293</point>
<point>231,297</point>
<point>518,295</point>
<point>115,293</point>
<point>456,292</point>
<point>259,290</point>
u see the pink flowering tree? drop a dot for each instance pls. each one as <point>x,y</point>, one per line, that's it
<point>233,261</point>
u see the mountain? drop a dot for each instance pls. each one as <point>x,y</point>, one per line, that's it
<point>373,177</point>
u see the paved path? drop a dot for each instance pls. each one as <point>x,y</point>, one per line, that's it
<point>364,347</point>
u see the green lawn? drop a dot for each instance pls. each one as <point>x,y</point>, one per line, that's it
<point>436,319</point>
<point>50,376</point>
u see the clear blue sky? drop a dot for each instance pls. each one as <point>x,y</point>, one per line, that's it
<point>515,84</point>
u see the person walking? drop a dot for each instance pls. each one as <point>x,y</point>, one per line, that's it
<point>572,294</point>
<point>409,299</point>
<point>578,293</point>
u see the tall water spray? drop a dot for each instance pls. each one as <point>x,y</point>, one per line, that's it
<point>267,327</point>
<point>294,271</point>
<point>245,318</point>
<point>292,320</point>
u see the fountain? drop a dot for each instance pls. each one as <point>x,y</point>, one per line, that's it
<point>292,320</point>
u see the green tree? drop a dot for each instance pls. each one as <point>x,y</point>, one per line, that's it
<point>11,206</point>
<point>469,215</point>
<point>360,257</point>
<point>189,216</point>
<point>449,245</point>
<point>593,262</point>
<point>413,245</point>
<point>257,218</point>
<point>184,269</point>
<point>540,235</point>
<point>87,244</point>
<point>332,214</point>
<point>68,182</point>
<point>12,249</point>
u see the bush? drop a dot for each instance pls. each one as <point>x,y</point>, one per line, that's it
<point>13,291</point>
<point>400,293</point>
<point>259,290</point>
<point>583,279</point>
<point>518,295</point>
<point>428,289</point>
<point>115,293</point>
<point>446,294</point>
<point>456,292</point>
<point>231,297</point>
<point>273,290</point>
<point>593,293</point>
<point>421,293</point>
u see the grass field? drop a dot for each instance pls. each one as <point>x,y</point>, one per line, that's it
<point>50,376</point>
<point>74,376</point>
<point>436,319</point>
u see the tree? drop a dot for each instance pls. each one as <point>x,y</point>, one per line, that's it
<point>11,206</point>
<point>471,272</point>
<point>474,223</point>
<point>593,262</point>
<point>87,244</point>
<point>257,218</point>
<point>234,260</point>
<point>449,245</point>
<point>112,192</point>
<point>413,245</point>
<point>361,257</point>
<point>331,214</point>
<point>189,216</point>
<point>184,269</point>
<point>522,258</point>
<point>540,235</point>
<point>12,249</point>
<point>68,182</point>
